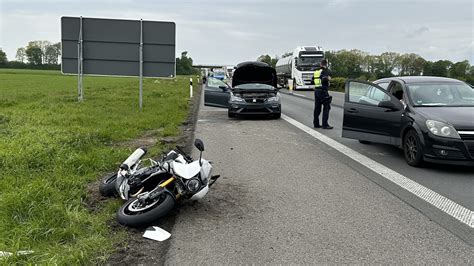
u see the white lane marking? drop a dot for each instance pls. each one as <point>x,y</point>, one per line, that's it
<point>301,95</point>
<point>337,92</point>
<point>453,209</point>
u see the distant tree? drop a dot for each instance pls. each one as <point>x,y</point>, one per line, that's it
<point>441,68</point>
<point>52,53</point>
<point>428,68</point>
<point>43,45</point>
<point>460,70</point>
<point>385,64</point>
<point>346,63</point>
<point>268,59</point>
<point>286,54</point>
<point>3,57</point>
<point>470,76</point>
<point>184,65</point>
<point>34,54</point>
<point>411,64</point>
<point>21,54</point>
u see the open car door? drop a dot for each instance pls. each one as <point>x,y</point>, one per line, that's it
<point>216,93</point>
<point>371,113</point>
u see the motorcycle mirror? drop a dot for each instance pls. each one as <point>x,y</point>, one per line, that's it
<point>199,145</point>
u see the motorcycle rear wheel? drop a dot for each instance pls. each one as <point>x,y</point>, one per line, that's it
<point>107,186</point>
<point>134,214</point>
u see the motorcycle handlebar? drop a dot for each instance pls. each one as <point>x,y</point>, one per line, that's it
<point>186,156</point>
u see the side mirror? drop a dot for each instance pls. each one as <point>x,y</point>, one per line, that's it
<point>223,88</point>
<point>199,145</point>
<point>390,105</point>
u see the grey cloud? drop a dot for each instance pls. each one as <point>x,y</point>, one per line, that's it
<point>417,32</point>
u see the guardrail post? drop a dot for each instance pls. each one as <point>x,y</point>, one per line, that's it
<point>190,87</point>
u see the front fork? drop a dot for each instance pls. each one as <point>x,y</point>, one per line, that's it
<point>160,189</point>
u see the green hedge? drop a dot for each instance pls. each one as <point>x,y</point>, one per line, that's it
<point>21,65</point>
<point>338,84</point>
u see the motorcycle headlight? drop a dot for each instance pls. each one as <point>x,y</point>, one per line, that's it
<point>442,129</point>
<point>274,99</point>
<point>193,185</point>
<point>236,99</point>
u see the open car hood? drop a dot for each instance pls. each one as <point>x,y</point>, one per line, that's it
<point>254,72</point>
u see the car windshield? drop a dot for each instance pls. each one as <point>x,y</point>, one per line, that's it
<point>441,94</point>
<point>309,61</point>
<point>215,83</point>
<point>254,86</point>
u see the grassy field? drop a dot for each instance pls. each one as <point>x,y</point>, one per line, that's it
<point>51,147</point>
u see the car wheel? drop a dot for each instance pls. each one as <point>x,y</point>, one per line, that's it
<point>229,114</point>
<point>412,149</point>
<point>277,116</point>
<point>365,142</point>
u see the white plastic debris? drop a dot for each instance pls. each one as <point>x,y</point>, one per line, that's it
<point>4,254</point>
<point>156,233</point>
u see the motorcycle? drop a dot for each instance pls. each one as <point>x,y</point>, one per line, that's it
<point>188,180</point>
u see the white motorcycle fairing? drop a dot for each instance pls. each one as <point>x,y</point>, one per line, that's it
<point>186,171</point>
<point>201,193</point>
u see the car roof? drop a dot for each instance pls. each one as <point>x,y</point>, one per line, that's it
<point>418,79</point>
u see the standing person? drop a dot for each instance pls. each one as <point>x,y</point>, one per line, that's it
<point>321,95</point>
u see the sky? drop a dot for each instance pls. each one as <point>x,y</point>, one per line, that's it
<point>230,31</point>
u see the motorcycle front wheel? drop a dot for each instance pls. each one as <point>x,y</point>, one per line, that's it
<point>134,214</point>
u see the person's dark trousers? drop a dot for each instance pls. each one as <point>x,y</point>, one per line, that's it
<point>319,101</point>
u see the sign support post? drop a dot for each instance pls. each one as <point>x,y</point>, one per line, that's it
<point>80,68</point>
<point>140,100</point>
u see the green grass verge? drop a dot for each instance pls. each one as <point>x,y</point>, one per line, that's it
<point>51,147</point>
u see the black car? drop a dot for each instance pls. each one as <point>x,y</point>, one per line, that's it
<point>254,90</point>
<point>430,118</point>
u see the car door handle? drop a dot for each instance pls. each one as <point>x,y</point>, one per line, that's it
<point>352,110</point>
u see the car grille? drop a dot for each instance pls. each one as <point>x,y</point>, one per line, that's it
<point>256,97</point>
<point>255,110</point>
<point>466,136</point>
<point>257,100</point>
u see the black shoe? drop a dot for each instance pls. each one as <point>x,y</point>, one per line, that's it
<point>317,126</point>
<point>328,127</point>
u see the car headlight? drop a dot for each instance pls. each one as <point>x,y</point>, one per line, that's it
<point>274,99</point>
<point>236,99</point>
<point>442,129</point>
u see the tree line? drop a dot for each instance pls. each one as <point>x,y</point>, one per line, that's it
<point>362,65</point>
<point>37,54</point>
<point>46,55</point>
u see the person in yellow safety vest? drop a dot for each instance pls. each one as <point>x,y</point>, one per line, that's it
<point>321,95</point>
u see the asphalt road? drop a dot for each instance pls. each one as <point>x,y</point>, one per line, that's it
<point>285,197</point>
<point>453,182</point>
